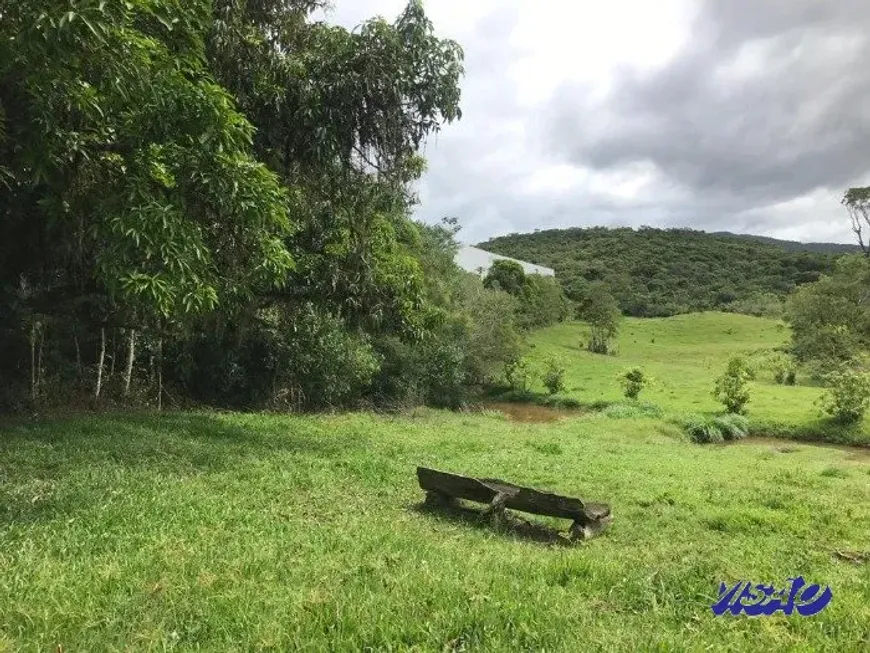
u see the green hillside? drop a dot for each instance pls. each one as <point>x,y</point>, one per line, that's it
<point>657,273</point>
<point>683,355</point>
<point>797,246</point>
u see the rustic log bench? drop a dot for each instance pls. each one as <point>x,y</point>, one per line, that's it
<point>442,488</point>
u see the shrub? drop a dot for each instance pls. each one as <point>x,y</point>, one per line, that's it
<point>848,395</point>
<point>541,302</point>
<point>703,430</point>
<point>492,337</point>
<point>633,382</point>
<point>518,374</point>
<point>732,388</point>
<point>719,428</point>
<point>554,377</point>
<point>782,366</point>
<point>733,427</point>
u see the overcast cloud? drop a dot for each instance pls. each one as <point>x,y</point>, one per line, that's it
<point>750,116</point>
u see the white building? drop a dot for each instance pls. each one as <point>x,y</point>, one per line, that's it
<point>479,261</point>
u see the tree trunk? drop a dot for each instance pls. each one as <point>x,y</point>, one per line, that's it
<point>33,362</point>
<point>131,354</point>
<point>114,352</point>
<point>160,374</point>
<point>39,360</point>
<point>78,357</point>
<point>100,362</point>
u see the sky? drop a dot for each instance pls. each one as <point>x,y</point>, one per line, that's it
<point>750,116</point>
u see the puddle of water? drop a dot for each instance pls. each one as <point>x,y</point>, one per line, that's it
<point>855,452</point>
<point>530,413</point>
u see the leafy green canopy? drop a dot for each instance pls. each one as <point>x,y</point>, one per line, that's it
<point>342,114</point>
<point>128,170</point>
<point>830,319</point>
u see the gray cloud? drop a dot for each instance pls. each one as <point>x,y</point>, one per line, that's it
<point>757,125</point>
<point>769,101</point>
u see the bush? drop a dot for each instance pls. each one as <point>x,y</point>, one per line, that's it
<point>517,373</point>
<point>732,388</point>
<point>848,396</point>
<point>541,302</point>
<point>719,428</point>
<point>782,366</point>
<point>633,382</point>
<point>554,377</point>
<point>492,337</point>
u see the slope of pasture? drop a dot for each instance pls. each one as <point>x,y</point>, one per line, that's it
<point>683,355</point>
<point>207,532</point>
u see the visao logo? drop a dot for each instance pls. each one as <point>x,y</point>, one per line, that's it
<point>765,600</point>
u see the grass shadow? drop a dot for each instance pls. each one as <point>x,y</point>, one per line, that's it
<point>172,441</point>
<point>511,524</point>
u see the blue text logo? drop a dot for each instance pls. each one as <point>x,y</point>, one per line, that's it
<point>758,600</point>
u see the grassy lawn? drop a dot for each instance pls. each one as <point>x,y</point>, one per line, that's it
<point>247,532</point>
<point>684,355</point>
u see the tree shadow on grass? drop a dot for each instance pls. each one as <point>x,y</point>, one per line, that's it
<point>511,524</point>
<point>169,441</point>
<point>54,468</point>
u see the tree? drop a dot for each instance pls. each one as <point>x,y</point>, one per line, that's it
<point>830,319</point>
<point>507,276</point>
<point>128,170</point>
<point>732,388</point>
<point>602,313</point>
<point>857,203</point>
<point>130,194</point>
<point>541,302</point>
<point>227,186</point>
<point>341,116</point>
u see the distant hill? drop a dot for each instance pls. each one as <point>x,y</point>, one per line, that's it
<point>793,245</point>
<point>661,272</point>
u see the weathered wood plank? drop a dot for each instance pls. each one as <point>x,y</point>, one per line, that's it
<point>485,490</point>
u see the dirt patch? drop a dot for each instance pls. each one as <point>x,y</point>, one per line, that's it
<point>855,452</point>
<point>530,413</point>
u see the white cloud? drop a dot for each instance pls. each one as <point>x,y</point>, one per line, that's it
<point>503,167</point>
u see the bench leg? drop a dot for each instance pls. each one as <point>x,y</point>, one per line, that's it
<point>579,531</point>
<point>584,530</point>
<point>495,510</point>
<point>436,499</point>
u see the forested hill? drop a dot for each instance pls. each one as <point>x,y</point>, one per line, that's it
<point>821,248</point>
<point>657,272</point>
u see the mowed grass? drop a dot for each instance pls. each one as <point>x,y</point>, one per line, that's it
<point>212,532</point>
<point>683,355</point>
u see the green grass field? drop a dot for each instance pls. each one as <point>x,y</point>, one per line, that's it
<point>684,355</point>
<point>230,532</point>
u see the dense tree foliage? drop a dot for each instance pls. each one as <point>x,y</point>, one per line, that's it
<point>211,201</point>
<point>830,319</point>
<point>600,310</point>
<point>655,272</point>
<point>130,186</point>
<point>540,300</point>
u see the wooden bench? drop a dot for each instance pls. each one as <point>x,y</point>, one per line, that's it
<point>588,518</point>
